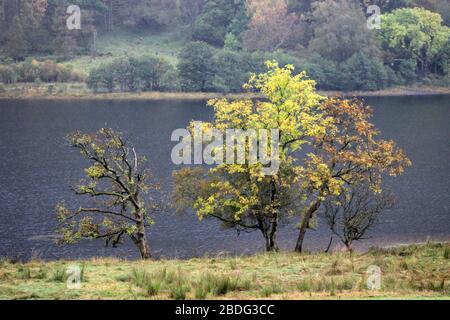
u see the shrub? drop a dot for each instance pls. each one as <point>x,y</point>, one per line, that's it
<point>59,275</point>
<point>406,70</point>
<point>267,291</point>
<point>28,71</point>
<point>7,74</point>
<point>220,285</point>
<point>447,253</point>
<point>48,71</point>
<point>364,73</point>
<point>325,72</point>
<point>179,292</point>
<point>140,277</point>
<point>200,293</point>
<point>144,73</point>
<point>232,71</point>
<point>152,287</point>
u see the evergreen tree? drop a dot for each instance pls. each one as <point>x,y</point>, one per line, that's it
<point>196,66</point>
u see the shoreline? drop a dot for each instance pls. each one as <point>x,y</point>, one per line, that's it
<point>339,249</point>
<point>77,91</point>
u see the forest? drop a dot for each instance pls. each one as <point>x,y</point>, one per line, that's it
<point>214,45</point>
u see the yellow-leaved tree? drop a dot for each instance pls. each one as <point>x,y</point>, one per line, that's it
<point>241,195</point>
<point>326,148</point>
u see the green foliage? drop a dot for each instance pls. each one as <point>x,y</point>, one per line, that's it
<point>269,290</point>
<point>196,67</point>
<point>406,70</point>
<point>240,195</point>
<point>217,19</point>
<point>113,175</point>
<point>179,291</point>
<point>364,73</point>
<point>31,71</point>
<point>7,74</point>
<point>447,253</point>
<point>232,71</point>
<point>218,285</point>
<point>417,34</point>
<point>135,73</point>
<point>59,275</point>
<point>337,34</point>
<point>327,73</point>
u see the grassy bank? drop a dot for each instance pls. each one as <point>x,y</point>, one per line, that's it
<point>79,91</point>
<point>413,272</point>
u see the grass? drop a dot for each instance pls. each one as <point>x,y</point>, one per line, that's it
<point>124,43</point>
<point>408,272</point>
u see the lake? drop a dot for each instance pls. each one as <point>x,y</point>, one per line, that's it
<point>37,169</point>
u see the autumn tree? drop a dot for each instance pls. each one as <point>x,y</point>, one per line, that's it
<point>242,196</point>
<point>340,30</point>
<point>347,154</point>
<point>270,24</point>
<point>120,190</point>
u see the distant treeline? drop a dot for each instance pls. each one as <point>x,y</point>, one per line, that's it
<point>330,39</point>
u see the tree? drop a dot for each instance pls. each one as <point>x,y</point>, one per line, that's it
<point>217,19</point>
<point>241,196</point>
<point>340,30</point>
<point>7,74</point>
<point>416,34</point>
<point>116,184</point>
<point>327,73</point>
<point>232,71</point>
<point>189,10</point>
<point>101,77</point>
<point>196,66</point>
<point>15,45</point>
<point>351,215</point>
<point>300,6</point>
<point>270,24</point>
<point>347,154</point>
<point>125,75</point>
<point>364,73</point>
<point>151,71</point>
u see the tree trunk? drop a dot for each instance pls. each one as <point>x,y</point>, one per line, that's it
<point>349,246</point>
<point>144,248</point>
<point>140,239</point>
<point>329,245</point>
<point>305,223</point>
<point>271,245</point>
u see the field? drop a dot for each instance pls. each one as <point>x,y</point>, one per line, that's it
<point>124,43</point>
<point>408,272</point>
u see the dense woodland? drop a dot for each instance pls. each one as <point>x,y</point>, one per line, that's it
<point>224,41</point>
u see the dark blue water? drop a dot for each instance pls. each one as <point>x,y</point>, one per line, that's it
<point>37,170</point>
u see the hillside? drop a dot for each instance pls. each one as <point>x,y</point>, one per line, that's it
<point>123,43</point>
